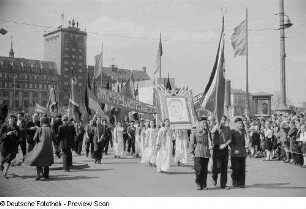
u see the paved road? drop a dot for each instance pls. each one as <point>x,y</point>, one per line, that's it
<point>126,177</point>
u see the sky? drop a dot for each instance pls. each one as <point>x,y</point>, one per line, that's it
<point>190,30</point>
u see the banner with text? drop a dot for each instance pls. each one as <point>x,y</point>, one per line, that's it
<point>116,99</point>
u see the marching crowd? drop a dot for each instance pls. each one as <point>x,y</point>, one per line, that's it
<point>210,144</point>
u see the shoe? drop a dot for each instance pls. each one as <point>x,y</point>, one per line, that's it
<point>4,176</point>
<point>199,187</point>
<point>38,177</point>
<point>205,188</point>
<point>227,188</point>
<point>178,163</point>
<point>1,167</point>
<point>115,156</point>
<point>66,170</point>
<point>242,186</point>
<point>286,161</point>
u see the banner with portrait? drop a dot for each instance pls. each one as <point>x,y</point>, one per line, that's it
<point>178,108</point>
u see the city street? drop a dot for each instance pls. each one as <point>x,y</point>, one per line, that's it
<point>126,177</point>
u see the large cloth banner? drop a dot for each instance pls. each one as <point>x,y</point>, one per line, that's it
<point>116,99</point>
<point>178,109</point>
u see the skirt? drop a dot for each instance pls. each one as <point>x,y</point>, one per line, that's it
<point>7,158</point>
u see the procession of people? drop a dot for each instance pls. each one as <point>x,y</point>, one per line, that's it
<point>213,145</point>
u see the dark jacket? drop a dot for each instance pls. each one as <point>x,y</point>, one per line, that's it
<point>23,130</point>
<point>221,137</point>
<point>200,142</point>
<point>9,144</point>
<point>66,134</point>
<point>57,123</point>
<point>30,133</point>
<point>238,143</point>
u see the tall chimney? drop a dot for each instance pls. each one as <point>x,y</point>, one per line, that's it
<point>144,69</point>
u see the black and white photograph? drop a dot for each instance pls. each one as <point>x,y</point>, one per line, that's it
<point>106,100</point>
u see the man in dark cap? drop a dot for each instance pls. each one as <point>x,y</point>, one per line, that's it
<point>200,147</point>
<point>238,154</point>
<point>66,134</point>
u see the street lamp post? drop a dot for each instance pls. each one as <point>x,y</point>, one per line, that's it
<point>14,83</point>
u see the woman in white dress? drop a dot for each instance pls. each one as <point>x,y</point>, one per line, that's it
<point>118,140</point>
<point>142,133</point>
<point>181,137</point>
<point>164,147</point>
<point>150,145</point>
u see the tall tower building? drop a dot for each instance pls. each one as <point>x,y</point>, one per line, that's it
<point>67,47</point>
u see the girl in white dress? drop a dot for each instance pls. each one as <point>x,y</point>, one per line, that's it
<point>164,147</point>
<point>118,140</point>
<point>150,145</point>
<point>181,138</point>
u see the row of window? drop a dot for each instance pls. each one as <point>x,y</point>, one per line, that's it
<point>66,70</point>
<point>72,49</point>
<point>6,84</point>
<point>79,83</point>
<point>28,77</point>
<point>18,67</point>
<point>24,94</point>
<point>73,56</point>
<point>73,63</point>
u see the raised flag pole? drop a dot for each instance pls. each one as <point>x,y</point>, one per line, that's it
<point>247,66</point>
<point>160,56</point>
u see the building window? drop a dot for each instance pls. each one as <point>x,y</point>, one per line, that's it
<point>80,77</point>
<point>26,104</point>
<point>16,103</point>
<point>5,93</point>
<point>73,49</point>
<point>25,94</point>
<point>80,64</point>
<point>40,86</point>
<point>16,93</point>
<point>80,57</point>
<point>44,94</point>
<point>66,55</point>
<point>66,62</point>
<point>80,70</point>
<point>80,50</point>
<point>66,97</point>
<point>35,94</point>
<point>80,84</point>
<point>66,83</point>
<point>0,75</point>
<point>73,63</point>
<point>66,48</point>
<point>65,69</point>
<point>30,85</point>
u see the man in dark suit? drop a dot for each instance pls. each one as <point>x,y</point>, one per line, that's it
<point>238,154</point>
<point>57,123</point>
<point>66,134</point>
<point>32,126</point>
<point>221,137</point>
<point>21,123</point>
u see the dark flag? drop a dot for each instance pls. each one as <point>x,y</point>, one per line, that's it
<point>215,89</point>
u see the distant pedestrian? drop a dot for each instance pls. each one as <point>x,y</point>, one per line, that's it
<point>118,140</point>
<point>98,141</point>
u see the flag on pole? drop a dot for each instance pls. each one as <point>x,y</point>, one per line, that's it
<point>239,41</point>
<point>104,106</point>
<point>98,65</point>
<point>74,107</point>
<point>52,104</point>
<point>215,89</point>
<point>158,58</point>
<point>39,108</point>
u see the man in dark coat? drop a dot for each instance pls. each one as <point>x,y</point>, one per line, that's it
<point>131,130</point>
<point>238,154</point>
<point>57,123</point>
<point>107,136</point>
<point>78,140</point>
<point>32,126</point>
<point>66,134</point>
<point>98,141</point>
<point>292,134</point>
<point>221,138</point>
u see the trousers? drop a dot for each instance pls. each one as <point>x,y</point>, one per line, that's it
<point>220,164</point>
<point>67,159</point>
<point>238,171</point>
<point>44,171</point>
<point>131,144</point>
<point>201,170</point>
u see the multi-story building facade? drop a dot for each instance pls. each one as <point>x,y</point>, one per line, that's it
<point>24,82</point>
<point>67,47</point>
